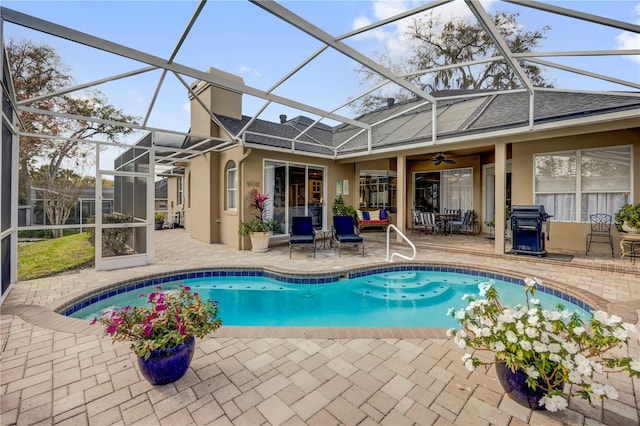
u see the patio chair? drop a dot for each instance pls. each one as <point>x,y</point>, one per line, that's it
<point>464,225</point>
<point>600,230</point>
<point>302,232</point>
<point>343,232</point>
<point>431,224</point>
<point>417,221</point>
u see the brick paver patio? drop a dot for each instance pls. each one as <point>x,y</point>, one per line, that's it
<point>58,370</point>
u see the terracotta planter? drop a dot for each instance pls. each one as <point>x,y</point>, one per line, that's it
<point>259,242</point>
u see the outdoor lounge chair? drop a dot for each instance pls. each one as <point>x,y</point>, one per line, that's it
<point>302,232</point>
<point>343,233</point>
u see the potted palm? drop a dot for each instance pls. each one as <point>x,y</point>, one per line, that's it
<point>163,331</point>
<point>537,352</point>
<point>261,226</point>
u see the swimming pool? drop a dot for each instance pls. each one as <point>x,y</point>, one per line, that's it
<point>403,297</point>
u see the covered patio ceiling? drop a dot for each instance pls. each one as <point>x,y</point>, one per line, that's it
<point>302,47</point>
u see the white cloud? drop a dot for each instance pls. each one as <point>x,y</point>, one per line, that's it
<point>392,36</point>
<point>187,106</point>
<point>627,40</point>
<point>248,70</point>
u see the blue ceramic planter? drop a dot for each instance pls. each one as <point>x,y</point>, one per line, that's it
<point>515,385</point>
<point>167,365</point>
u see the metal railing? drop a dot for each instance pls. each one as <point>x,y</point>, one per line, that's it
<point>404,237</point>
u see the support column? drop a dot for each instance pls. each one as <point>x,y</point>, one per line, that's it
<point>401,195</point>
<point>500,150</point>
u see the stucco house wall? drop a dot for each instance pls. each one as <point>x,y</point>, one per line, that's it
<point>569,236</point>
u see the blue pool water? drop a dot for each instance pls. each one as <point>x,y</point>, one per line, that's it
<point>389,299</point>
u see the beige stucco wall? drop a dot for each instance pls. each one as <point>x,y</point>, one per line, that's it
<point>251,176</point>
<point>569,236</point>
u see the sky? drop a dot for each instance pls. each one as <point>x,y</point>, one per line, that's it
<point>245,40</point>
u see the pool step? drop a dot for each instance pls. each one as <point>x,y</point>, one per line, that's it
<point>424,293</point>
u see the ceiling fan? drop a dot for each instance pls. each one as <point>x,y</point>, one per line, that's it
<point>439,158</point>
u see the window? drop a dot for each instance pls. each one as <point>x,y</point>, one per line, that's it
<point>575,184</point>
<point>180,190</point>
<point>445,190</point>
<point>378,189</point>
<point>232,186</point>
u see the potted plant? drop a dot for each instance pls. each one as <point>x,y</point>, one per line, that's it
<point>260,227</point>
<point>163,332</point>
<point>538,351</point>
<point>339,208</point>
<point>628,218</point>
<point>159,220</point>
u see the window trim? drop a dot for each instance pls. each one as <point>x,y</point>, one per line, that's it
<point>231,166</point>
<point>578,192</point>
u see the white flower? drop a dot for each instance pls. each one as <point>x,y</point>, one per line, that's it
<point>555,358</point>
<point>525,345</point>
<point>601,316</point>
<point>531,332</point>
<point>554,348</point>
<point>511,336</point>
<point>506,316</point>
<point>466,296</point>
<point>530,282</point>
<point>460,314</point>
<point>534,301</point>
<point>620,334</point>
<point>571,347</point>
<point>553,403</point>
<point>635,365</point>
<point>610,392</point>
<point>520,327</point>
<point>539,347</point>
<point>451,332</point>
<point>578,330</point>
<point>450,311</point>
<point>468,362</point>
<point>483,287</point>
<point>497,346</point>
<point>532,372</point>
<point>575,377</point>
<point>613,320</point>
<point>532,320</point>
<point>552,315</point>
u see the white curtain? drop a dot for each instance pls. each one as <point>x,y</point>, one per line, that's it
<point>456,189</point>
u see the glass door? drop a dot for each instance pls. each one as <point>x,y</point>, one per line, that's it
<point>316,196</point>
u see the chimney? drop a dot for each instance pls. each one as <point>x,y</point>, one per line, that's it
<point>390,102</point>
<point>283,118</point>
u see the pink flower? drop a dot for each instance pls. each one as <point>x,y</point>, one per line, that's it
<point>160,307</point>
<point>94,320</point>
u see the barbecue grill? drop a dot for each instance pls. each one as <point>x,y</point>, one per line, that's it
<point>528,229</point>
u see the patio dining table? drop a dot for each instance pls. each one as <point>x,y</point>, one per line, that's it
<point>445,218</point>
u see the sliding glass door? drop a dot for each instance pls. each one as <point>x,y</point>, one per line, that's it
<point>296,190</point>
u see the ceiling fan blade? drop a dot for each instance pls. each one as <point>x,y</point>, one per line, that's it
<point>449,161</point>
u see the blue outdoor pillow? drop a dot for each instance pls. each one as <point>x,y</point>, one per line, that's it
<point>365,216</point>
<point>383,214</point>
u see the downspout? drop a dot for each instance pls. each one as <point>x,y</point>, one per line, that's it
<point>240,190</point>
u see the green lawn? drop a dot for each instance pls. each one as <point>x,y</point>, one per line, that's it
<point>51,257</point>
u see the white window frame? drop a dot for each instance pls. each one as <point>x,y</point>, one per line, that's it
<point>231,186</point>
<point>578,184</point>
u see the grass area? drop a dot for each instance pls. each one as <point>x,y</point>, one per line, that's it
<point>51,257</point>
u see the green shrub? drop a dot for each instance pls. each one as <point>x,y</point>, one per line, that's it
<point>114,240</point>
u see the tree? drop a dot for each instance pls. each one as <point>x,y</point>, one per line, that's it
<point>61,190</point>
<point>38,71</point>
<point>456,41</point>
